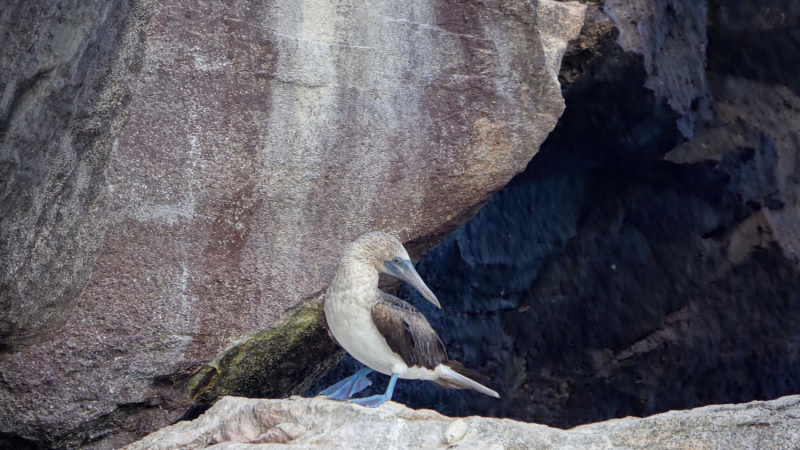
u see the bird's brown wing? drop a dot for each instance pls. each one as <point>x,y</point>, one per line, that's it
<point>407,332</point>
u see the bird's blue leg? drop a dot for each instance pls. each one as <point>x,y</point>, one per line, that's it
<point>377,400</point>
<point>349,386</point>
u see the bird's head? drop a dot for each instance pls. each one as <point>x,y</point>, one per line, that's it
<point>387,255</point>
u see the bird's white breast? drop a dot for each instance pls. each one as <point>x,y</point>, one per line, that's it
<point>350,320</point>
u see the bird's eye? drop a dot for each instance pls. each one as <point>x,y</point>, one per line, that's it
<point>396,260</point>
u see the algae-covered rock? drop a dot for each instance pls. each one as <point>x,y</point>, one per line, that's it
<point>277,362</point>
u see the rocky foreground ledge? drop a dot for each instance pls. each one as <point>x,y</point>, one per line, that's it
<point>317,423</point>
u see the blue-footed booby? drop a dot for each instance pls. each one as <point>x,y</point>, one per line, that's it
<point>381,331</point>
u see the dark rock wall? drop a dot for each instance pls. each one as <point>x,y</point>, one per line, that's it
<point>646,259</point>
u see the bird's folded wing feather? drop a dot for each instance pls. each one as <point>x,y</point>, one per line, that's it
<point>407,332</point>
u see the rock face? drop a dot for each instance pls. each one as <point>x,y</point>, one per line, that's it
<point>300,423</point>
<point>647,259</point>
<point>67,70</point>
<point>263,137</point>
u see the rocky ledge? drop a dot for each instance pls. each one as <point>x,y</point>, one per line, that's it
<point>318,423</point>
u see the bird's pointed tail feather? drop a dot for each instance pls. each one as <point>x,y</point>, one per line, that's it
<point>449,378</point>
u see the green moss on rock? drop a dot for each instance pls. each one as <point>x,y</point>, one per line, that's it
<point>285,359</point>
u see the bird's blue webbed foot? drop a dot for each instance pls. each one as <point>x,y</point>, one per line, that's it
<point>377,400</point>
<point>371,402</point>
<point>349,386</point>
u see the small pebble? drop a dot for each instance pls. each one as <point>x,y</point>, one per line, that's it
<point>455,431</point>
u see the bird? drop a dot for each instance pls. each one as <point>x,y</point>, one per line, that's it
<point>381,331</point>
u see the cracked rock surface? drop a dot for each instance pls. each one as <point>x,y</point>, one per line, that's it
<point>317,423</point>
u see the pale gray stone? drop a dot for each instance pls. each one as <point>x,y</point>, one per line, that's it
<point>318,423</point>
<point>455,431</point>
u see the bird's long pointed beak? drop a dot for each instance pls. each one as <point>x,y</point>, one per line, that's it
<point>406,272</point>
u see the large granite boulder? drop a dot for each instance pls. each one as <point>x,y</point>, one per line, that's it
<point>301,423</point>
<point>67,72</point>
<point>647,259</point>
<point>262,138</point>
